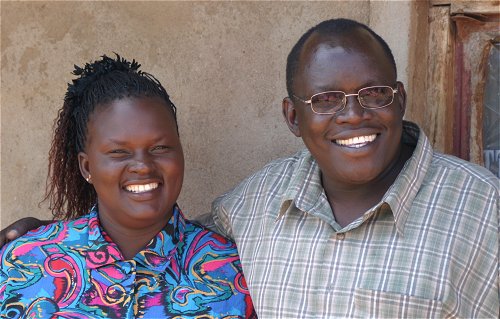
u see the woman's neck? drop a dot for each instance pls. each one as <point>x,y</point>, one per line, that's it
<point>129,240</point>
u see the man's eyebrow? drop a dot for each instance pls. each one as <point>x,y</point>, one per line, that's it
<point>364,85</point>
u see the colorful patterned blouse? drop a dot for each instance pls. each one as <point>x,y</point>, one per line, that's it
<point>72,269</point>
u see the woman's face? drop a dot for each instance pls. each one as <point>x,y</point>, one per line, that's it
<point>134,158</point>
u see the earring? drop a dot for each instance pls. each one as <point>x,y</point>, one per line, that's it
<point>88,179</point>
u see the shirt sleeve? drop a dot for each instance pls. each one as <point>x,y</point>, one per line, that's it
<point>206,220</point>
<point>221,219</point>
<point>3,277</point>
<point>3,283</point>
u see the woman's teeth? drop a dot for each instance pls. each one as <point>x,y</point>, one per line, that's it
<point>357,141</point>
<point>141,188</point>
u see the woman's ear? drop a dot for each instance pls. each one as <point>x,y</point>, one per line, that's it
<point>290,115</point>
<point>83,163</point>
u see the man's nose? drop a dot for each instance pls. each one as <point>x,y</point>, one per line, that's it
<point>353,111</point>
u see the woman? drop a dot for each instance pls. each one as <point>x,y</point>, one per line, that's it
<point>116,152</point>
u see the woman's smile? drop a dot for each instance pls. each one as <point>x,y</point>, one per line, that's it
<point>141,188</point>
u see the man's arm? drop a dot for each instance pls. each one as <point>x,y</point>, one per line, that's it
<point>221,219</point>
<point>19,228</point>
<point>206,220</point>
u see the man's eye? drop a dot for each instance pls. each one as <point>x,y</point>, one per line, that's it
<point>159,149</point>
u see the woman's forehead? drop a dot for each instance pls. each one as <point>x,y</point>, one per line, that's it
<point>129,117</point>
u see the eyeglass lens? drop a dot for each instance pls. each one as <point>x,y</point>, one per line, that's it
<point>371,98</point>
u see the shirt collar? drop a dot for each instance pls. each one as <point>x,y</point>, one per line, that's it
<point>397,200</point>
<point>299,181</point>
<point>157,254</point>
<point>401,194</point>
<point>305,190</point>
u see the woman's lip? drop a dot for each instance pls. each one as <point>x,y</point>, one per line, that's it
<point>139,188</point>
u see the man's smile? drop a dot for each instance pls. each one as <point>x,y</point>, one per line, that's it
<point>356,142</point>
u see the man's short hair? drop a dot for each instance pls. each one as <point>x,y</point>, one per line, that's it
<point>333,27</point>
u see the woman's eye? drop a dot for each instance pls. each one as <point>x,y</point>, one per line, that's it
<point>118,153</point>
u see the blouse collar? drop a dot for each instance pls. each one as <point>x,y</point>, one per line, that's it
<point>157,254</point>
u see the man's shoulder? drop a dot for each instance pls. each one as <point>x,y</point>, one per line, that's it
<point>278,171</point>
<point>457,169</point>
<point>280,165</point>
<point>261,191</point>
<point>450,168</point>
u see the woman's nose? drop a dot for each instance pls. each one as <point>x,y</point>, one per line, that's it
<point>140,165</point>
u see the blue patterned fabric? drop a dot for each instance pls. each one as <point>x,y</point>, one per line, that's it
<point>72,269</point>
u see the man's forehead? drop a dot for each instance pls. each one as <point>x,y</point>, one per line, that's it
<point>332,48</point>
<point>361,57</point>
<point>356,39</point>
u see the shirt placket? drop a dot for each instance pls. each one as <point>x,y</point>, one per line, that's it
<point>114,286</point>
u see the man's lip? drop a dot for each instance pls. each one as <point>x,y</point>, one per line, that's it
<point>357,140</point>
<point>345,135</point>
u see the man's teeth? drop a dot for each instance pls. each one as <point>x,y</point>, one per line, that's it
<point>141,188</point>
<point>357,141</point>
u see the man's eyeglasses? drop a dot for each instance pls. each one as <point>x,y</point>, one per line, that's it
<point>331,102</point>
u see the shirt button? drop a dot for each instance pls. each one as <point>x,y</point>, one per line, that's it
<point>340,236</point>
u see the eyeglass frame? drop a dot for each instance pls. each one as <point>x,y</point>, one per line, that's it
<point>394,91</point>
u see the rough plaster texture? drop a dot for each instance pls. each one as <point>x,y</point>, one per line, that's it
<point>222,62</point>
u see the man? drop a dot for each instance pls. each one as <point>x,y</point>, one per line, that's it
<point>368,221</point>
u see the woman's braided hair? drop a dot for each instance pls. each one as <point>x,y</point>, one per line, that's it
<point>97,84</point>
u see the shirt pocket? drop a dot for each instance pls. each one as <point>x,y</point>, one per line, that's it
<point>380,304</point>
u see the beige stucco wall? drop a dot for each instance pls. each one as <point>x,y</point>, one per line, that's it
<point>223,63</point>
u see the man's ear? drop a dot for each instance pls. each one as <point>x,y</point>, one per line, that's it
<point>290,115</point>
<point>401,96</point>
<point>83,163</point>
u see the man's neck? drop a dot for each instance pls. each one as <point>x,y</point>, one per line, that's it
<point>349,202</point>
<point>349,205</point>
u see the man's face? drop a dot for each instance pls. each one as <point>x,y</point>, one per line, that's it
<point>356,146</point>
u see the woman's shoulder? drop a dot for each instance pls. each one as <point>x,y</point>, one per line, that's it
<point>211,263</point>
<point>60,233</point>
<point>198,236</point>
<point>212,256</point>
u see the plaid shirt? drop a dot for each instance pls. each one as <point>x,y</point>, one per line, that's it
<point>429,249</point>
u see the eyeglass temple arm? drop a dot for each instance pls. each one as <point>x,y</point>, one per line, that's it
<point>304,101</point>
